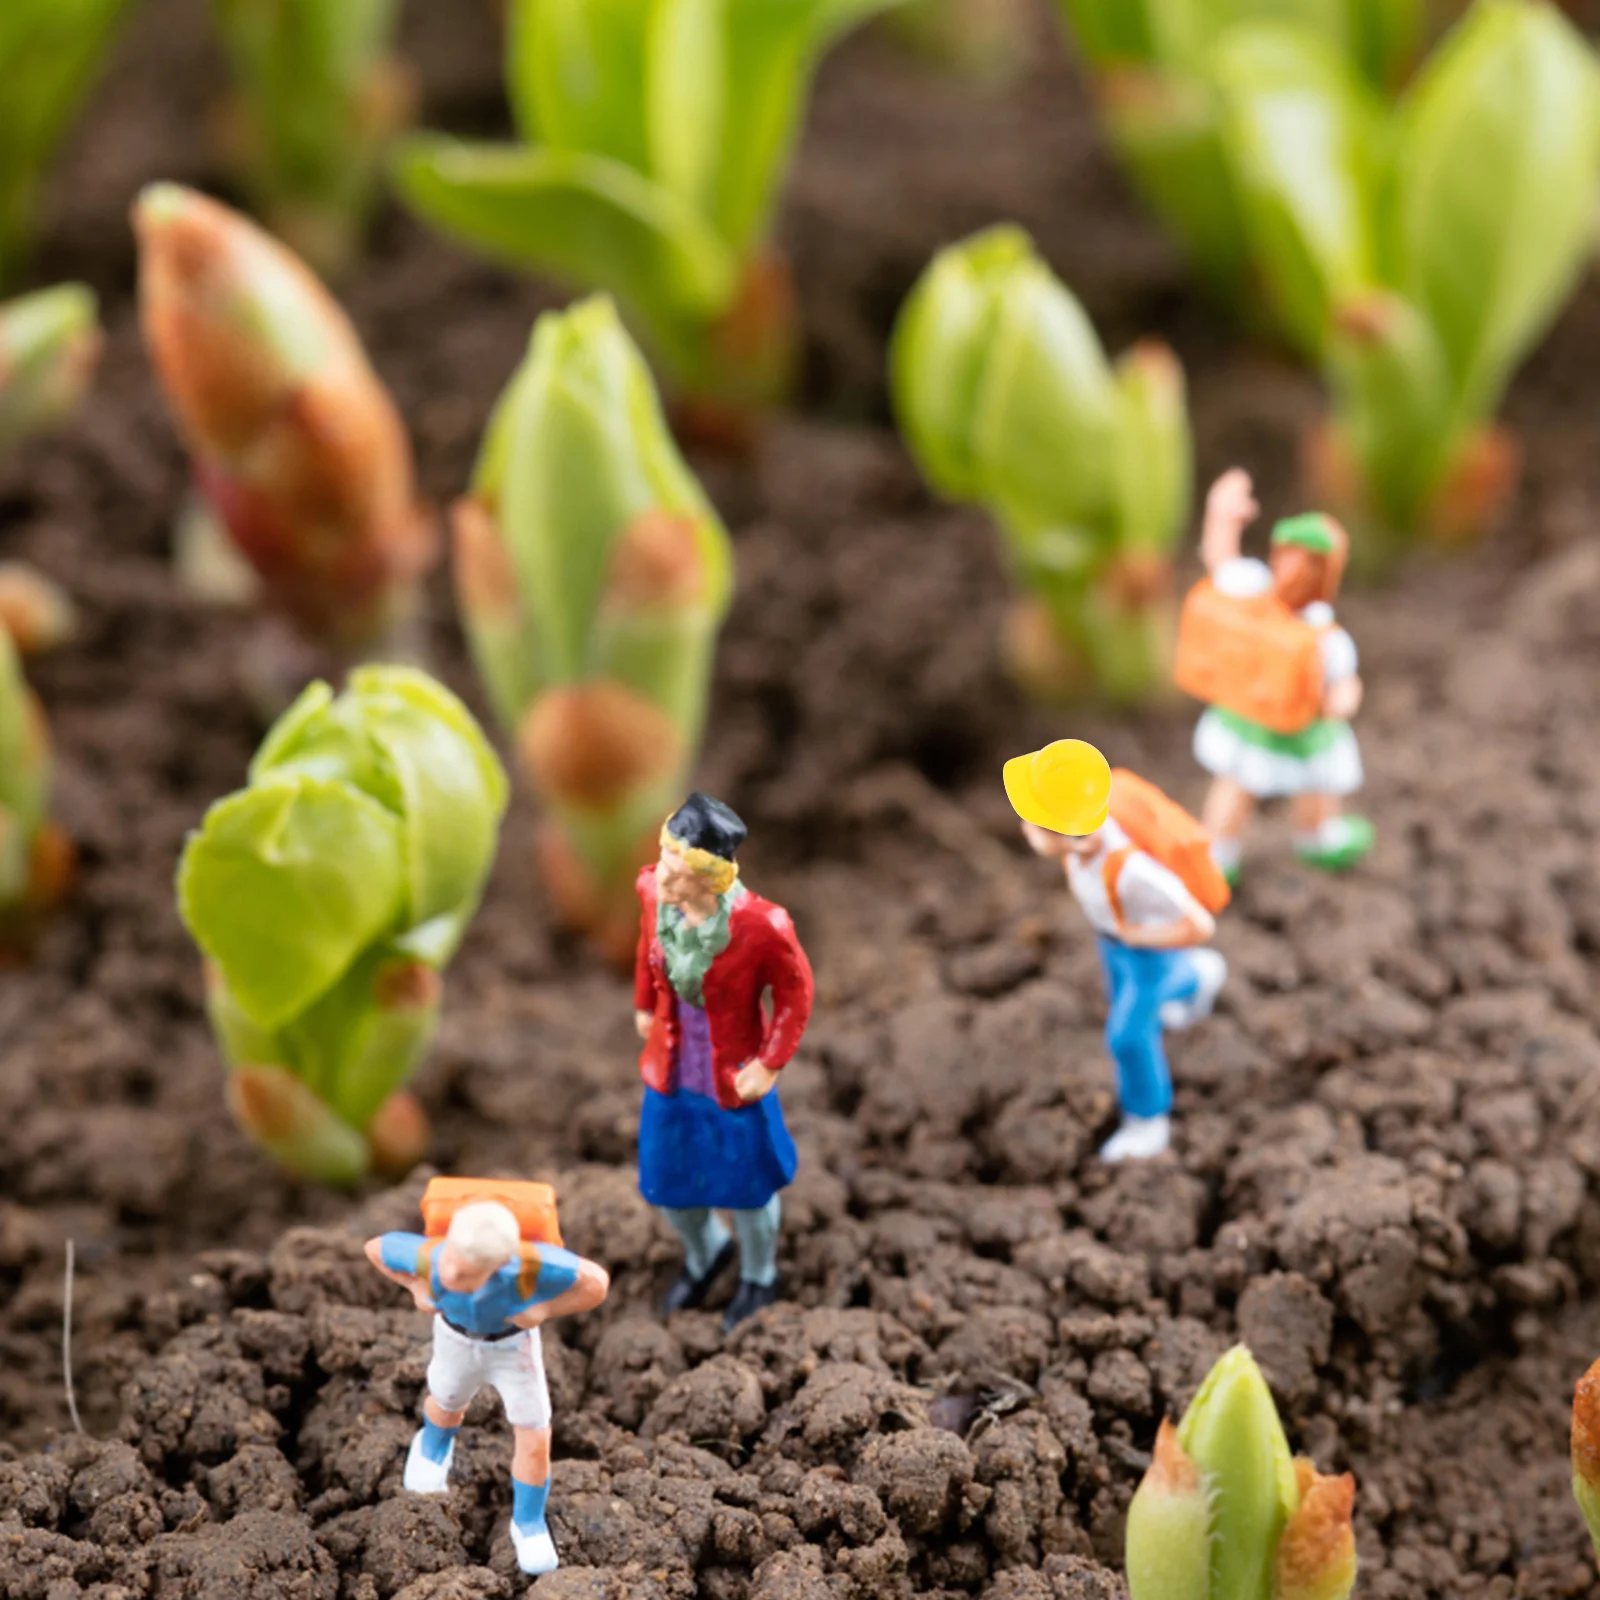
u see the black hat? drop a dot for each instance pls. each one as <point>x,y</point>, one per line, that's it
<point>706,824</point>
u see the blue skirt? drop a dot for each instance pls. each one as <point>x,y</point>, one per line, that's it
<point>693,1153</point>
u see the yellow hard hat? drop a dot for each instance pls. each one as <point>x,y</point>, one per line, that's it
<point>1066,787</point>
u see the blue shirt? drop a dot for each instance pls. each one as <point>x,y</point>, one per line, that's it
<point>542,1272</point>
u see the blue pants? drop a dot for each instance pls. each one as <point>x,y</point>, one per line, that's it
<point>1138,984</point>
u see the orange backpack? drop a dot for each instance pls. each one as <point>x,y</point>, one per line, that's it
<point>532,1204</point>
<point>1252,656</point>
<point>1163,830</point>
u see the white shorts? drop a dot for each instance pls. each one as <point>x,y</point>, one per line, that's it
<point>1269,774</point>
<point>513,1368</point>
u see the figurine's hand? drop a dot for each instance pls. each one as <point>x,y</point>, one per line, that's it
<point>419,1293</point>
<point>642,1021</point>
<point>1342,700</point>
<point>1230,508</point>
<point>753,1080</point>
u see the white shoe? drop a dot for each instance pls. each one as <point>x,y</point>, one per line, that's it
<point>536,1550</point>
<point>1138,1139</point>
<point>423,1476</point>
<point>1211,972</point>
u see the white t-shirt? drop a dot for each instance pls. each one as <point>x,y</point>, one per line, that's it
<point>1150,894</point>
<point>1245,577</point>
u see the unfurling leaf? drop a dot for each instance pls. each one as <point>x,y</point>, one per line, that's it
<point>326,895</point>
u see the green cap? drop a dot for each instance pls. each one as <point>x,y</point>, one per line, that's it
<point>1309,530</point>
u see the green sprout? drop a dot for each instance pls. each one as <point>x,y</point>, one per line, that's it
<point>1150,64</point>
<point>49,344</point>
<point>592,576</point>
<point>319,94</point>
<point>1006,401</point>
<point>1420,250</point>
<point>50,53</point>
<point>1225,1513</point>
<point>986,41</point>
<point>655,134</point>
<point>36,857</point>
<point>326,897</point>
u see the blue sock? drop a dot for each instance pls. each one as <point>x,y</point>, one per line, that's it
<point>527,1504</point>
<point>436,1441</point>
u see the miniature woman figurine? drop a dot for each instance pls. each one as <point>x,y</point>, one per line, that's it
<point>1318,765</point>
<point>711,1134</point>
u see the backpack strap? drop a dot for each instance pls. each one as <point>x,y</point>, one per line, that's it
<point>1111,876</point>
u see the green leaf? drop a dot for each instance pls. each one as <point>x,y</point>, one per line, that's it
<point>1494,192</point>
<point>50,53</point>
<point>1393,403</point>
<point>1154,462</point>
<point>576,72</point>
<point>284,886</point>
<point>686,98</point>
<point>938,351</point>
<point>1306,144</point>
<point>1045,411</point>
<point>585,219</point>
<point>770,51</point>
<point>453,794</point>
<point>1232,1434</point>
<point>592,451</point>
<point>1111,33</point>
<point>1384,37</point>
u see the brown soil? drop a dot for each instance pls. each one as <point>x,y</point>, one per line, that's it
<point>1385,1178</point>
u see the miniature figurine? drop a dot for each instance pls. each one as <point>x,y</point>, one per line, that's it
<point>1259,644</point>
<point>711,1135</point>
<point>491,1269</point>
<point>1141,869</point>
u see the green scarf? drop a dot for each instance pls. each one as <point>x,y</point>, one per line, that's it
<point>690,950</point>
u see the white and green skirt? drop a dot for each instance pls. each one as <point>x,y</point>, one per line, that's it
<point>1321,759</point>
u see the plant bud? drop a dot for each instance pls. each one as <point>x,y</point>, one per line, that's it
<point>297,448</point>
<point>1169,1528</point>
<point>592,576</point>
<point>49,345</point>
<point>1317,1554</point>
<point>1232,1434</point>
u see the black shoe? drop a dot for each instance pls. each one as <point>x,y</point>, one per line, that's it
<point>689,1293</point>
<point>748,1299</point>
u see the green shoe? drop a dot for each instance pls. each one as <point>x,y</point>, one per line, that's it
<point>1337,845</point>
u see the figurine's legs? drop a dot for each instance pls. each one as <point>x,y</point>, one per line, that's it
<point>1140,983</point>
<point>703,1235</point>
<point>1326,837</point>
<point>757,1232</point>
<point>515,1368</point>
<point>758,1262</point>
<point>530,1493</point>
<point>1226,814</point>
<point>455,1374</point>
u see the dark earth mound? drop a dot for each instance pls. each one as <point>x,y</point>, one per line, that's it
<point>1385,1175</point>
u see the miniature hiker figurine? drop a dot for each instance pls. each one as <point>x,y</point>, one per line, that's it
<point>711,1134</point>
<point>1259,644</point>
<point>1143,874</point>
<point>490,1287</point>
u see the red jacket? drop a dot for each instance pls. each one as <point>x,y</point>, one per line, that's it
<point>762,954</point>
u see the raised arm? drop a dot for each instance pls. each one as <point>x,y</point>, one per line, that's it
<point>1230,509</point>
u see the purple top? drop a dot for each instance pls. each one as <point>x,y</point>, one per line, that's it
<point>693,1075</point>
